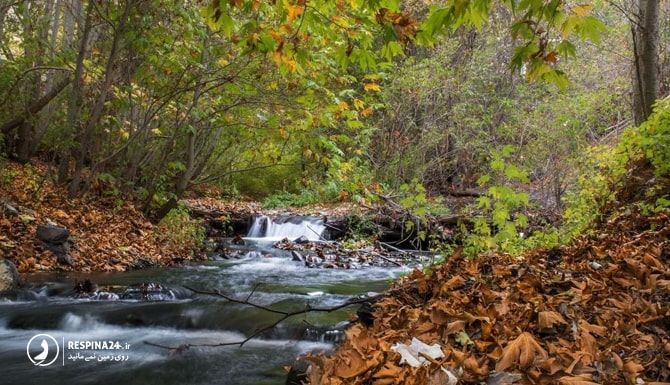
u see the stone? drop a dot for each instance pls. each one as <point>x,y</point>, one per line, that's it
<point>301,240</point>
<point>52,234</point>
<point>148,291</point>
<point>295,256</point>
<point>10,210</point>
<point>56,240</point>
<point>9,276</point>
<point>298,373</point>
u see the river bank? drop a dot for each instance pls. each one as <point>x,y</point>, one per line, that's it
<point>106,232</point>
<point>594,312</point>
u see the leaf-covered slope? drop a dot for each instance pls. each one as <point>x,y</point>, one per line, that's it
<point>597,312</point>
<point>107,233</point>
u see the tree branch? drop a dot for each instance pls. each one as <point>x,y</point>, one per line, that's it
<point>284,315</point>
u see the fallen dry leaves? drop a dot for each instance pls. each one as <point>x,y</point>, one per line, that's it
<point>106,233</point>
<point>597,312</point>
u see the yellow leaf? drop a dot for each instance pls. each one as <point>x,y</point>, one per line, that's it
<point>372,87</point>
<point>343,106</point>
<point>358,104</point>
<point>582,9</point>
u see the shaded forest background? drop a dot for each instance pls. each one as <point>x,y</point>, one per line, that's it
<point>159,100</point>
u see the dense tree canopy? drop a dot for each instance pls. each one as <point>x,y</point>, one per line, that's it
<point>160,97</point>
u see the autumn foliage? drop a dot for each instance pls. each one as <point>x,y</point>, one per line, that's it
<point>595,312</point>
<point>107,233</point>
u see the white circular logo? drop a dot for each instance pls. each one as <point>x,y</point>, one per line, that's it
<point>44,347</point>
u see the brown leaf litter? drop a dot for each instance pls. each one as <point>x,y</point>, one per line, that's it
<point>596,312</point>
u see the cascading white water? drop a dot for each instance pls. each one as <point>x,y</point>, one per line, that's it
<point>291,227</point>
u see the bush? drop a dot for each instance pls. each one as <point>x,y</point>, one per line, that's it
<point>178,231</point>
<point>635,173</point>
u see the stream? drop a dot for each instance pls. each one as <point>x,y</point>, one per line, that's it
<point>48,335</point>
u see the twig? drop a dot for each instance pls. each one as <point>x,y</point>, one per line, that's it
<point>318,234</point>
<point>391,247</point>
<point>389,260</point>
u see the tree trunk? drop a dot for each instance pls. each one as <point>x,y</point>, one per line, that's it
<point>645,72</point>
<point>191,168</point>
<point>74,105</point>
<point>87,135</point>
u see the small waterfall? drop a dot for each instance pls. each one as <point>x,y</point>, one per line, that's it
<point>291,227</point>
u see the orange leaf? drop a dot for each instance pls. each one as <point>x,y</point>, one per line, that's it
<point>579,380</point>
<point>550,57</point>
<point>294,11</point>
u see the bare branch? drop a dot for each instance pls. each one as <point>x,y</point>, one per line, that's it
<point>284,315</point>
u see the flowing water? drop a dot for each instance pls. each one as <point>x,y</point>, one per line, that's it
<point>46,312</point>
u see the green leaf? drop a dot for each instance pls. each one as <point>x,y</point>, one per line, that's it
<point>497,165</point>
<point>566,49</point>
<point>569,25</point>
<point>436,20</point>
<point>227,24</point>
<point>591,28</point>
<point>484,179</point>
<point>463,338</point>
<point>507,150</point>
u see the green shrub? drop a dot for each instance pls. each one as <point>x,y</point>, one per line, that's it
<point>635,173</point>
<point>499,226</point>
<point>178,231</point>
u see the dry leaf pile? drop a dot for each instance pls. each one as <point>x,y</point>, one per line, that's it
<point>106,234</point>
<point>597,312</point>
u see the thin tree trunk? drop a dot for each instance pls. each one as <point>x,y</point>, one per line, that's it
<point>74,104</point>
<point>646,46</point>
<point>87,136</point>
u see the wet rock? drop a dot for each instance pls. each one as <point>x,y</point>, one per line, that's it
<point>297,375</point>
<point>9,276</point>
<point>85,287</point>
<point>237,240</point>
<point>295,256</point>
<point>89,290</point>
<point>143,263</point>
<point>366,314</point>
<point>105,296</point>
<point>148,291</point>
<point>301,240</point>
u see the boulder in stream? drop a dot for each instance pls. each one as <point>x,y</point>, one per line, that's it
<point>9,276</point>
<point>148,291</point>
<point>88,290</point>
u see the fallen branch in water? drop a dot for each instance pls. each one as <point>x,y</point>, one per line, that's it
<point>284,315</point>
